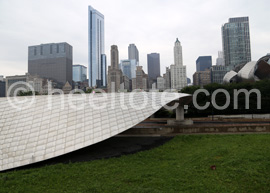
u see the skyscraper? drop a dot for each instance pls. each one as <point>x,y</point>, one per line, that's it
<point>153,64</point>
<point>96,55</point>
<point>168,78</point>
<point>51,61</point>
<point>133,52</point>
<point>178,57</point>
<point>128,68</point>
<point>218,73</point>
<point>236,41</point>
<point>202,78</point>
<point>141,80</point>
<point>114,73</point>
<point>79,73</point>
<point>178,70</point>
<point>203,63</point>
<point>2,87</point>
<point>220,59</point>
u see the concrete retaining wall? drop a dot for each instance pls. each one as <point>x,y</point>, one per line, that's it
<point>163,130</point>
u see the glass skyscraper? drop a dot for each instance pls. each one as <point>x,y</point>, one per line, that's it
<point>96,55</point>
<point>128,68</point>
<point>133,52</point>
<point>236,41</point>
<point>153,64</point>
<point>203,63</point>
<point>79,73</point>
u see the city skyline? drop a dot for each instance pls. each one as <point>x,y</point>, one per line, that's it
<point>152,33</point>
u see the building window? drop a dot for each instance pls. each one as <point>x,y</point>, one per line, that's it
<point>57,48</point>
<point>35,51</point>
<point>41,50</point>
<point>50,49</point>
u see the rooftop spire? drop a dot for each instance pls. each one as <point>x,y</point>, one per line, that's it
<point>177,40</point>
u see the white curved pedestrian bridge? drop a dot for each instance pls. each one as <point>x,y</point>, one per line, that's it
<point>34,129</point>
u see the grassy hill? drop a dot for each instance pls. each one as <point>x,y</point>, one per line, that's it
<point>181,165</point>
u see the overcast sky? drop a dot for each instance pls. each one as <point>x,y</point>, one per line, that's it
<point>153,25</point>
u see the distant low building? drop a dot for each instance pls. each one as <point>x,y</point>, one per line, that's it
<point>34,81</point>
<point>67,88</point>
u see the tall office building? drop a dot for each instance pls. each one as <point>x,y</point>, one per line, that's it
<point>188,81</point>
<point>236,41</point>
<point>178,56</point>
<point>202,78</point>
<point>2,87</point>
<point>153,64</point>
<point>51,61</point>
<point>167,78</point>
<point>161,83</point>
<point>218,73</point>
<point>79,73</point>
<point>141,80</point>
<point>114,73</point>
<point>178,72</point>
<point>128,68</point>
<point>203,63</point>
<point>96,54</point>
<point>133,53</point>
<point>220,59</point>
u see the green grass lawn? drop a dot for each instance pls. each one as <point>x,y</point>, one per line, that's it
<point>181,165</point>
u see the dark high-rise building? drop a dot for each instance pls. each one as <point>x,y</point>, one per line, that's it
<point>188,81</point>
<point>133,53</point>
<point>97,67</point>
<point>203,63</point>
<point>2,87</point>
<point>51,61</point>
<point>153,64</point>
<point>236,41</point>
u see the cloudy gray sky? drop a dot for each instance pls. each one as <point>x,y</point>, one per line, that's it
<point>153,25</point>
